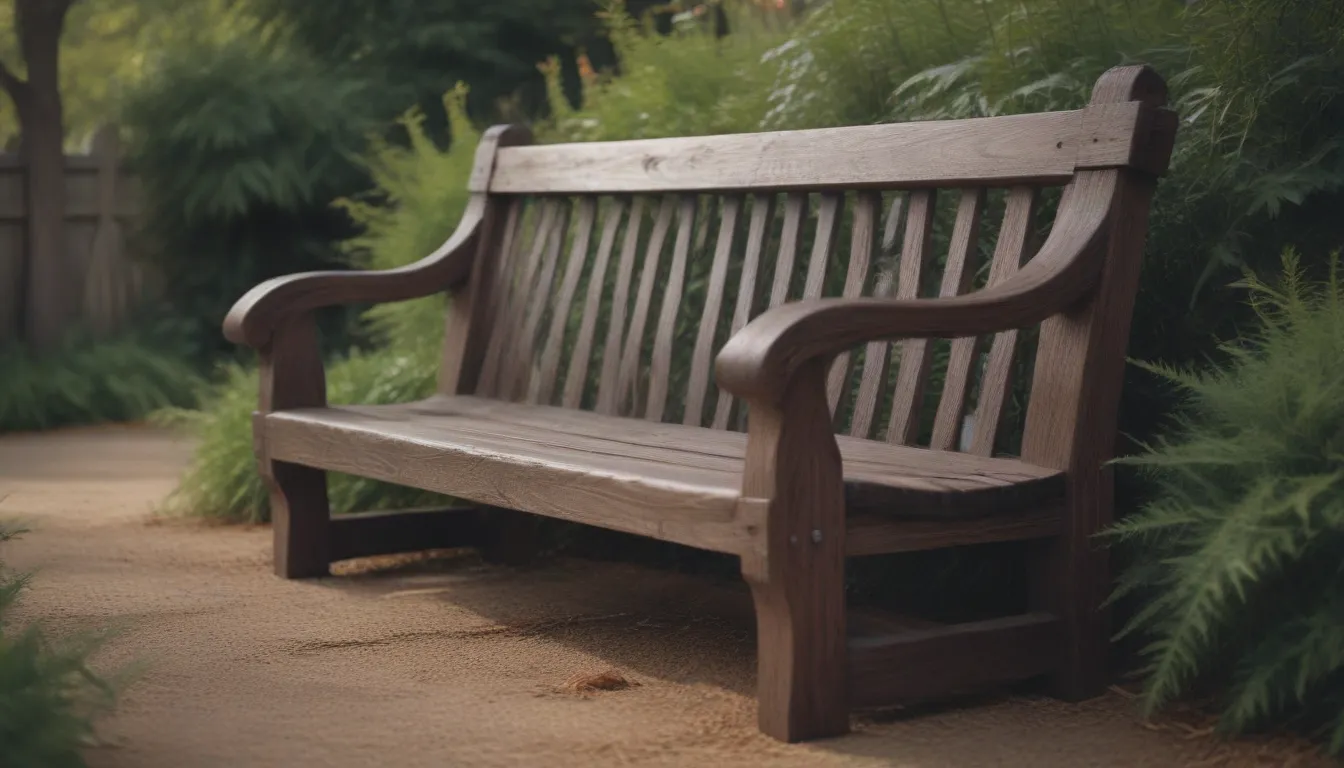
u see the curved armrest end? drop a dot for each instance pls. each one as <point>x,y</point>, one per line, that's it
<point>255,316</point>
<point>760,361</point>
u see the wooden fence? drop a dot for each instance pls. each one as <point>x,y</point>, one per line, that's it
<point>100,209</point>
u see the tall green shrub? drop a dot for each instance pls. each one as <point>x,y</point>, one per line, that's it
<point>419,198</point>
<point>1238,553</point>
<point>240,148</point>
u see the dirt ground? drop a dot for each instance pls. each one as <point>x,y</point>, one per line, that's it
<point>452,663</point>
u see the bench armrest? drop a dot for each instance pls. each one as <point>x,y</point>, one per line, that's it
<point>254,318</point>
<point>760,362</point>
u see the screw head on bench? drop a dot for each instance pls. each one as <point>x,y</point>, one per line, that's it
<point>816,535</point>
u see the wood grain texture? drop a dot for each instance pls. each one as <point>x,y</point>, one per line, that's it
<point>1071,417</point>
<point>877,355</point>
<point>702,358</point>
<point>962,262</point>
<point>925,663</point>
<point>880,534</point>
<point>830,209</point>
<point>609,381</point>
<point>762,212</point>
<point>994,150</point>
<point>790,236</point>
<point>756,363</point>
<point>508,331</point>
<point>911,376</point>
<point>264,308</point>
<point>535,299</point>
<point>862,241</point>
<point>793,475</point>
<point>1013,247</point>
<point>291,376</point>
<point>634,339</point>
<point>543,385</point>
<point>582,356</point>
<point>660,364</point>
<point>510,246</point>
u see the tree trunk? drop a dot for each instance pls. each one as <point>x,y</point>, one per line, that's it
<point>42,126</point>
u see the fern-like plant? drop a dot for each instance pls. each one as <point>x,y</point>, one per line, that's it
<point>1239,553</point>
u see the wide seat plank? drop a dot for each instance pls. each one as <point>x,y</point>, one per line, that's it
<point>667,481</point>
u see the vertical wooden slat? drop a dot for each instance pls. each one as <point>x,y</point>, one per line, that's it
<point>877,354</point>
<point>904,421</point>
<point>709,319</point>
<point>634,338</point>
<point>583,346</point>
<point>608,380</point>
<point>506,323</point>
<point>962,262</point>
<point>1011,250</point>
<point>863,236</point>
<point>828,228</point>
<point>543,384</point>
<point>535,298</point>
<point>795,205</point>
<point>762,211</point>
<point>509,246</point>
<point>660,365</point>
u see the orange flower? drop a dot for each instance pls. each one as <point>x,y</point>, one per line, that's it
<point>586,69</point>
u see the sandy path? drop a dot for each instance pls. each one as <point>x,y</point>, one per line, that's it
<point>451,663</point>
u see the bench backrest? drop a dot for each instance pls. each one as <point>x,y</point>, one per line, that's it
<point>610,274</point>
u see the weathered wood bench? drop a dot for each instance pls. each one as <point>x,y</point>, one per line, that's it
<point>552,345</point>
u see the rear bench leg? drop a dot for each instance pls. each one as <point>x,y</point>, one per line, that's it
<point>300,519</point>
<point>793,500</point>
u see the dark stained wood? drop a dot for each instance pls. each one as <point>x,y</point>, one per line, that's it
<point>1071,417</point>
<point>862,241</point>
<point>702,358</point>
<point>877,355</point>
<point>660,365</point>
<point>364,534</point>
<point>915,350</point>
<point>543,385</point>
<point>793,482</point>
<point>922,664</point>
<point>607,395</point>
<point>583,347</point>
<point>634,339</point>
<point>998,150</point>
<point>875,533</point>
<point>762,211</point>
<point>1009,252</point>
<point>790,498</point>
<point>962,261</point>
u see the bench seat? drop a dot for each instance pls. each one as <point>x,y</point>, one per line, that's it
<point>668,481</point>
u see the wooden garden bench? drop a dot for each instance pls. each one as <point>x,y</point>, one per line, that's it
<point>590,285</point>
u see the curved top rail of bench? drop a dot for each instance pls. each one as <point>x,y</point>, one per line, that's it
<point>1042,148</point>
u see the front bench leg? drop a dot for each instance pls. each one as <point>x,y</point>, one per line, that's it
<point>793,468</point>
<point>292,377</point>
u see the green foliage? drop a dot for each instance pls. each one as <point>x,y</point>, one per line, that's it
<point>1238,554</point>
<point>688,84</point>
<point>420,197</point>
<point>241,148</point>
<point>49,696</point>
<point>90,380</point>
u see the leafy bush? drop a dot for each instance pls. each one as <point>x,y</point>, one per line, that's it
<point>49,696</point>
<point>91,380</point>
<point>240,148</point>
<point>1238,555</point>
<point>420,197</point>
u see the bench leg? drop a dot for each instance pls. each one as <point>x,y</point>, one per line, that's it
<point>300,519</point>
<point>801,665</point>
<point>1070,579</point>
